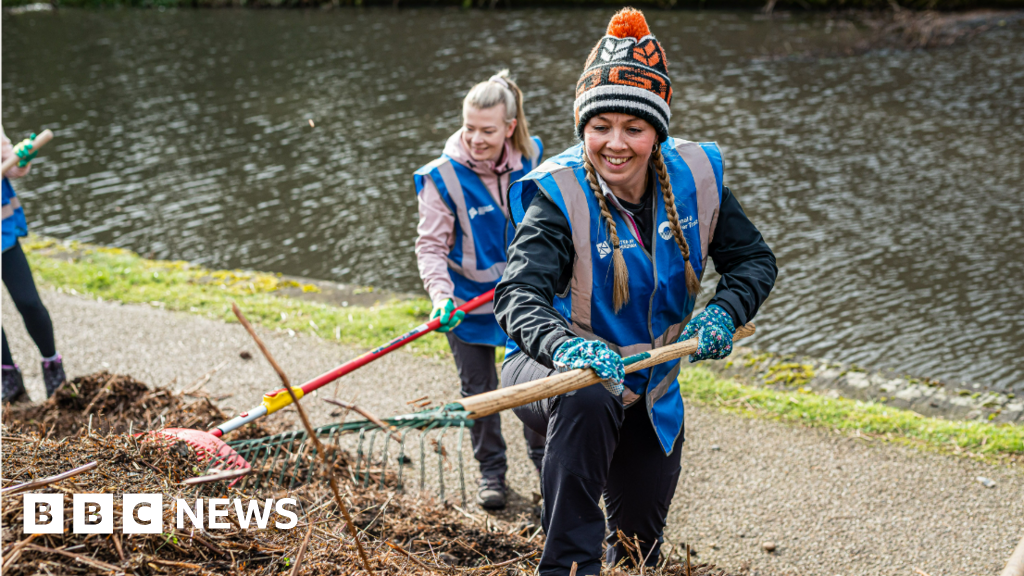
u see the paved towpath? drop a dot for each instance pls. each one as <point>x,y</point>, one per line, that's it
<point>833,505</point>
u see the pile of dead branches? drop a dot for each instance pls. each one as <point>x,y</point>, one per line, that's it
<point>76,443</point>
<point>112,403</point>
<point>400,533</point>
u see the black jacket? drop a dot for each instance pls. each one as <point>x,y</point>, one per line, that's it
<point>540,262</point>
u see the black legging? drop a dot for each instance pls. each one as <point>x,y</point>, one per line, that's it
<point>18,278</point>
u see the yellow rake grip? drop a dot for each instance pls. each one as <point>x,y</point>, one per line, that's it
<point>274,401</point>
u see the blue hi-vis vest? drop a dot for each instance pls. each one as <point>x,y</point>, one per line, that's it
<point>14,224</point>
<point>477,260</point>
<point>659,305</point>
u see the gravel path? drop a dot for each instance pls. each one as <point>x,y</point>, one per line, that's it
<point>833,505</point>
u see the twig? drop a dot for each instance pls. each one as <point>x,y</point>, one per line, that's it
<point>117,544</point>
<point>410,556</point>
<point>302,551</point>
<point>103,393</point>
<point>365,414</point>
<point>379,514</point>
<point>649,552</point>
<point>212,547</point>
<point>185,565</point>
<point>513,561</point>
<point>79,557</point>
<point>16,551</point>
<point>921,572</point>
<point>225,475</point>
<point>466,546</point>
<point>202,380</point>
<point>309,432</point>
<point>572,571</point>
<point>45,481</point>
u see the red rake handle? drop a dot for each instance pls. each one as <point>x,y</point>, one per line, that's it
<point>395,344</point>
<point>274,401</point>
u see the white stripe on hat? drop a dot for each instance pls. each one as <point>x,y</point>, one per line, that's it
<point>625,96</point>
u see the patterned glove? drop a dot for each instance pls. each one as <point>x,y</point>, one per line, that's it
<point>714,329</point>
<point>450,317</point>
<point>580,353</point>
<point>24,150</point>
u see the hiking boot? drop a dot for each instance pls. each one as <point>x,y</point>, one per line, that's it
<point>492,494</point>
<point>53,374</point>
<point>13,386</point>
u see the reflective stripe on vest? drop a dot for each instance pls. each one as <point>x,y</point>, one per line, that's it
<point>451,187</point>
<point>10,207</point>
<point>659,305</point>
<point>476,261</point>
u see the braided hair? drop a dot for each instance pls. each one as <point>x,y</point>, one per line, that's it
<point>692,282</point>
<point>620,274</point>
<point>620,288</point>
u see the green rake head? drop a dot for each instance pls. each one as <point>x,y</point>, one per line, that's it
<point>289,459</point>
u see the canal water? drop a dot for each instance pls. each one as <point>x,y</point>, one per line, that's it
<point>889,184</point>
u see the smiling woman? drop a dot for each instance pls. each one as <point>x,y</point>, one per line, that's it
<point>460,250</point>
<point>626,191</point>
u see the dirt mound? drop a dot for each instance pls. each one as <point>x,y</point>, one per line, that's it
<point>116,404</point>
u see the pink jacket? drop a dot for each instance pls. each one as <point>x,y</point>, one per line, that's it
<point>437,222</point>
<point>6,150</point>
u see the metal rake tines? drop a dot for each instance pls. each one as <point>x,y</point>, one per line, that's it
<point>289,459</point>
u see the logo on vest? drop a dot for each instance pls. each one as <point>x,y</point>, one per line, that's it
<point>604,249</point>
<point>687,223</point>
<point>473,212</point>
<point>665,231</point>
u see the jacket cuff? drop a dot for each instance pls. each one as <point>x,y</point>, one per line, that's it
<point>730,303</point>
<point>549,345</point>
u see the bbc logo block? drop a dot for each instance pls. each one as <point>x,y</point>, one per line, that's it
<point>144,513</point>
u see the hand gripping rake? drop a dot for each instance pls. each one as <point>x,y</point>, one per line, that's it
<point>38,142</point>
<point>288,459</point>
<point>213,452</point>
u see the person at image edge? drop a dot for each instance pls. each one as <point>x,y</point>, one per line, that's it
<point>17,277</point>
<point>611,239</point>
<point>463,232</point>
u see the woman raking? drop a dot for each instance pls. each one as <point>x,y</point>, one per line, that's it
<point>463,234</point>
<point>611,239</point>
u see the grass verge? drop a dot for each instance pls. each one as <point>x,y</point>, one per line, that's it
<point>120,275</point>
<point>867,419</point>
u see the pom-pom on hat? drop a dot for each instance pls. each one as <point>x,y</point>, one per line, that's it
<point>626,72</point>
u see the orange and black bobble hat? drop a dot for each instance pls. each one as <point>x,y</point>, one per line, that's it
<point>626,72</point>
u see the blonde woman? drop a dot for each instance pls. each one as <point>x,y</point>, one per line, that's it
<point>463,233</point>
<point>611,239</point>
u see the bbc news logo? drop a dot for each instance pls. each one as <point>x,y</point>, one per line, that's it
<point>143,513</point>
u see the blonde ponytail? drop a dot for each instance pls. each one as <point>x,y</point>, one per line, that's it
<point>620,274</point>
<point>692,282</point>
<point>500,89</point>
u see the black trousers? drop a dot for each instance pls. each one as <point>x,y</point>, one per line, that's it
<point>18,278</point>
<point>596,447</point>
<point>475,364</point>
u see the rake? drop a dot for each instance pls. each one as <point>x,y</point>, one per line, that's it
<point>216,455</point>
<point>289,460</point>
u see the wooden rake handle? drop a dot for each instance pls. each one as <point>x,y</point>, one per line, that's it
<point>514,396</point>
<point>41,140</point>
